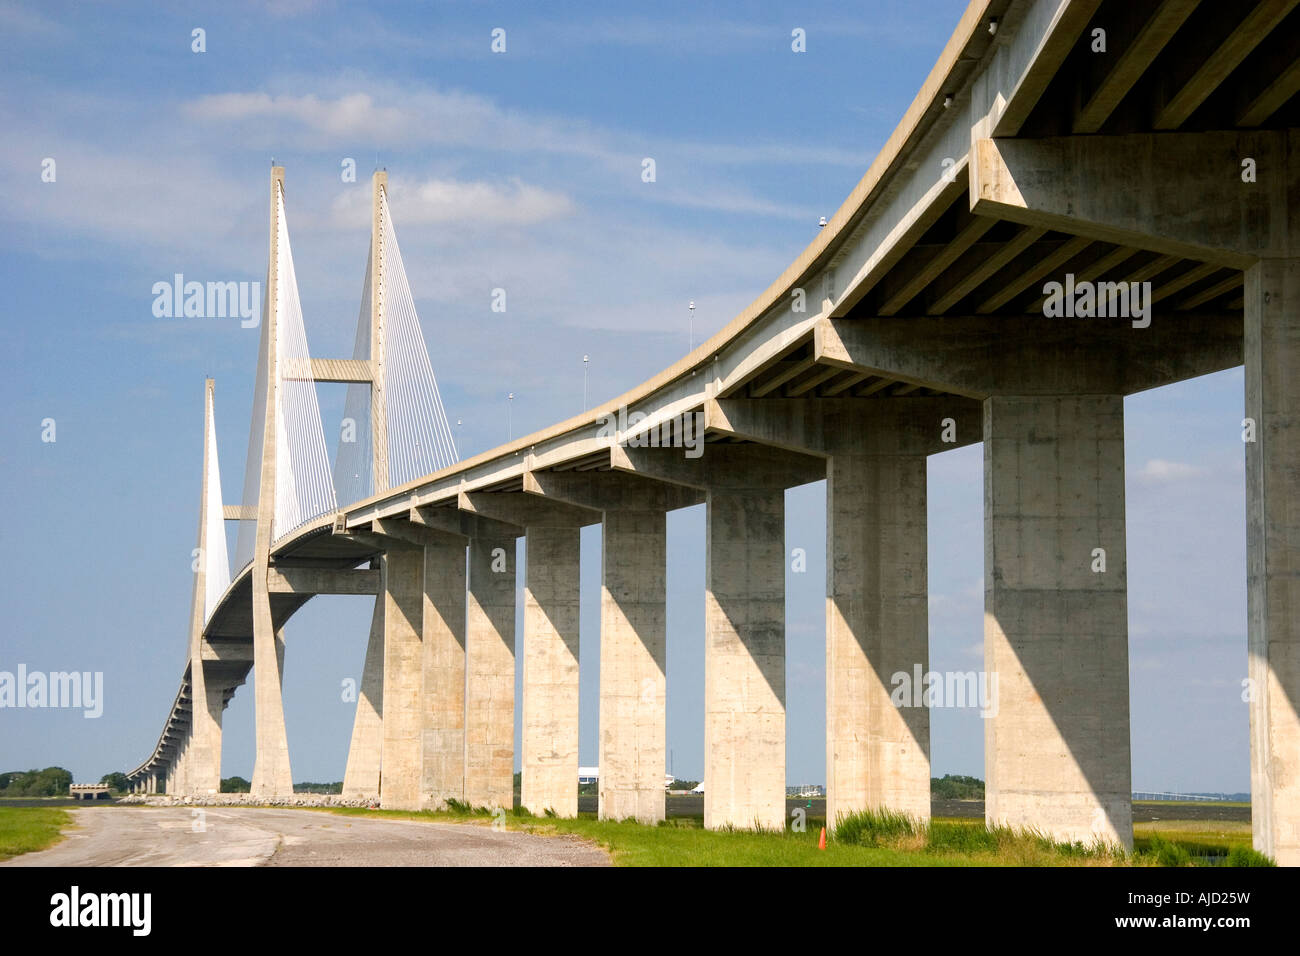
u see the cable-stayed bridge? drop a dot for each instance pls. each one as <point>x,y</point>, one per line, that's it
<point>1086,199</point>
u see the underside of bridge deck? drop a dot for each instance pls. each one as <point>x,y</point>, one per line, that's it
<point>1088,199</point>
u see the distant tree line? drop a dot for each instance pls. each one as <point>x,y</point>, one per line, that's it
<point>957,787</point>
<point>116,782</point>
<point>50,782</point>
<point>335,787</point>
<point>235,785</point>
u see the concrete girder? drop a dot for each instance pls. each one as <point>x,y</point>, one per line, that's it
<point>1156,31</point>
<point>800,425</point>
<point>525,511</point>
<point>1065,22</point>
<point>722,466</point>
<point>290,580</point>
<point>1136,190</point>
<point>978,356</point>
<point>461,523</point>
<point>409,535</point>
<point>1216,68</point>
<point>610,491</point>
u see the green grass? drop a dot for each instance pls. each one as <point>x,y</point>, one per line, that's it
<point>871,839</point>
<point>1191,803</point>
<point>25,829</point>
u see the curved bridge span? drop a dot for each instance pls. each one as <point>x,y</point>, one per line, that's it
<point>1086,199</point>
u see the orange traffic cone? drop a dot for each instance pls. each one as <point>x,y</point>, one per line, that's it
<point>821,840</point>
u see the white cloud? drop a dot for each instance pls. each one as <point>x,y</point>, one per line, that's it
<point>1161,471</point>
<point>448,200</point>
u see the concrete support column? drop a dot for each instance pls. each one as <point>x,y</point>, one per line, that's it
<point>181,784</point>
<point>205,732</point>
<point>490,666</point>
<point>877,617</point>
<point>444,673</point>
<point>402,591</point>
<point>550,693</point>
<point>744,659</point>
<point>361,778</point>
<point>1055,622</point>
<point>633,663</point>
<point>271,774</point>
<point>1272,352</point>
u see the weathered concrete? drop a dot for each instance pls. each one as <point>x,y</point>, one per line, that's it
<point>1272,304</point>
<point>402,573</point>
<point>490,663</point>
<point>207,703</point>
<point>271,771</point>
<point>361,778</point>
<point>443,776</point>
<point>633,665</point>
<point>877,615</point>
<point>550,693</point>
<point>744,659</point>
<point>633,718</point>
<point>1055,630</point>
<point>208,706</point>
<point>1129,190</point>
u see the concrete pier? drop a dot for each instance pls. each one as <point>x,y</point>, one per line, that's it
<point>744,659</point>
<point>633,665</point>
<point>633,648</point>
<point>1272,336</point>
<point>443,775</point>
<point>490,663</point>
<point>402,591</point>
<point>550,694</point>
<point>361,778</point>
<point>1056,616</point>
<point>877,614</point>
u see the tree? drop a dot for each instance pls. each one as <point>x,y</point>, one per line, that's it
<point>957,787</point>
<point>116,782</point>
<point>236,785</point>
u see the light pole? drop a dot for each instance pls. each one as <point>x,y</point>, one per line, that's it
<point>510,431</point>
<point>692,339</point>
<point>585,360</point>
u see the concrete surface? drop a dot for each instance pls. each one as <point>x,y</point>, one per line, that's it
<point>744,659</point>
<point>1056,751</point>
<point>549,748</point>
<point>490,662</point>
<point>121,836</point>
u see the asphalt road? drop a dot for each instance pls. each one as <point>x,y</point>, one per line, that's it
<point>229,836</point>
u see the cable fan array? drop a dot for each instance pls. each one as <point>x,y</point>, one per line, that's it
<point>216,562</point>
<point>304,488</point>
<point>419,438</point>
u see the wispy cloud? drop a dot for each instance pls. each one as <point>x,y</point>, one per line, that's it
<point>453,201</point>
<point>1160,471</point>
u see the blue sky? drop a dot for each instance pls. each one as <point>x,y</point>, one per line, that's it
<point>521,171</point>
